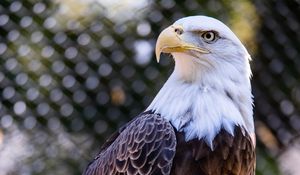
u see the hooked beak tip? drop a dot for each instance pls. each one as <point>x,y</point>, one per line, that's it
<point>157,54</point>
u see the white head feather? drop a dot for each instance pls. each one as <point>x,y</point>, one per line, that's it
<point>207,92</point>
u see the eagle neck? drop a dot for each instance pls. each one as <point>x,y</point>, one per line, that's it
<point>202,108</point>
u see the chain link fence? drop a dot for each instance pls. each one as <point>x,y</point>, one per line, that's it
<point>72,72</point>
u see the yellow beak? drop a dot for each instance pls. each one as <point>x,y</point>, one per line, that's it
<point>170,40</point>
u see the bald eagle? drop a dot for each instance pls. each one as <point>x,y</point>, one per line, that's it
<point>201,121</point>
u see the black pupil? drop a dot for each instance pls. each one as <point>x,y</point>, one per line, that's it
<point>208,35</point>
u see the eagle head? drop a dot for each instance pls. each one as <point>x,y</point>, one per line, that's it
<point>203,45</point>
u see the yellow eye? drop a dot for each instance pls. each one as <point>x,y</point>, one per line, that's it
<point>209,36</point>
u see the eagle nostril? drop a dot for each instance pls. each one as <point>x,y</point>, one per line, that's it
<point>179,31</point>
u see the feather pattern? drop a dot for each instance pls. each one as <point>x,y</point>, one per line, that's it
<point>150,145</point>
<point>145,146</point>
<point>234,155</point>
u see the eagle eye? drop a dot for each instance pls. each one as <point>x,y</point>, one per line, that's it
<point>209,36</point>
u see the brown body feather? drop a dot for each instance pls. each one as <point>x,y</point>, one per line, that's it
<point>149,145</point>
<point>230,156</point>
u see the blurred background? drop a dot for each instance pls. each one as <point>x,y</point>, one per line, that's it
<point>73,71</point>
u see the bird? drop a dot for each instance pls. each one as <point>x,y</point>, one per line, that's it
<point>201,121</point>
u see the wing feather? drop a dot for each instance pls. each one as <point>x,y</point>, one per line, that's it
<point>146,145</point>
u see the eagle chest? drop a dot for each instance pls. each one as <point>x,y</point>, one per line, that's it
<point>232,155</point>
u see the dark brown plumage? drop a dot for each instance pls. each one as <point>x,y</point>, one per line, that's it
<point>230,156</point>
<point>147,145</point>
